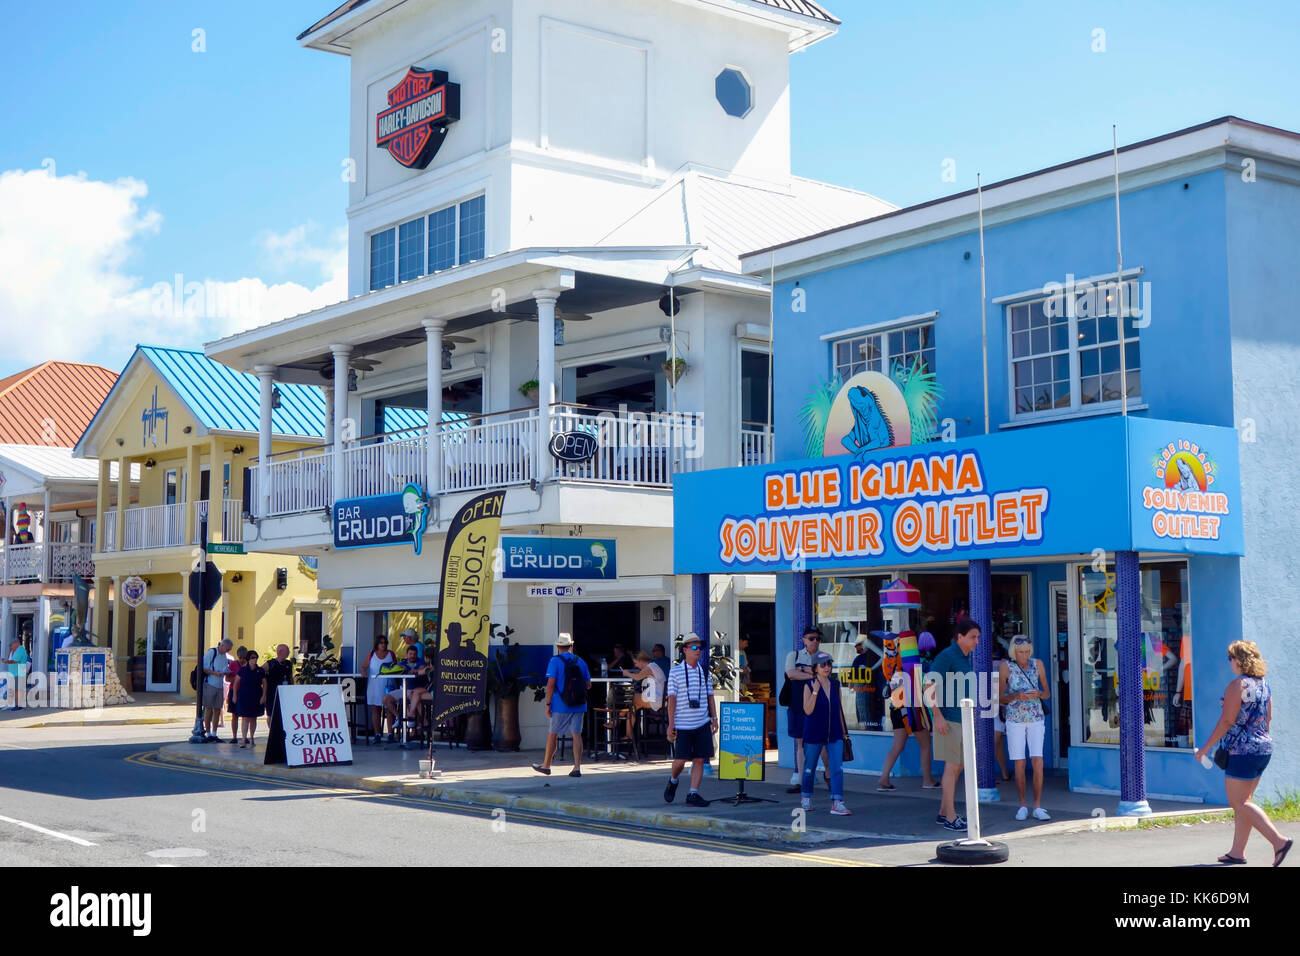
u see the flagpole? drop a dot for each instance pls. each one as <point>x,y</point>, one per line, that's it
<point>1119,285</point>
<point>984,326</point>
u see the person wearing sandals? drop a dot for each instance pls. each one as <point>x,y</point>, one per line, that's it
<point>901,731</point>
<point>823,727</point>
<point>1243,729</point>
<point>249,693</point>
<point>1022,688</point>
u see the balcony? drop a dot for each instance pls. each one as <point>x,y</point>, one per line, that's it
<point>490,451</point>
<point>57,562</point>
<point>163,526</point>
<point>755,444</point>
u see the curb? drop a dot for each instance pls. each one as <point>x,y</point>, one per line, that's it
<point>418,789</point>
<point>1103,824</point>
<point>126,722</point>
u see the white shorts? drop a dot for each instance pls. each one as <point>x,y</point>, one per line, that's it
<point>1019,735</point>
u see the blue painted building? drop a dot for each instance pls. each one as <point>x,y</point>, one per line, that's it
<point>1163,463</point>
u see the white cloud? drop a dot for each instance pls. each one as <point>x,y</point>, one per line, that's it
<point>66,292</point>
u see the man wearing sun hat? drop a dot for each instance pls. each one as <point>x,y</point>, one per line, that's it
<point>692,719</point>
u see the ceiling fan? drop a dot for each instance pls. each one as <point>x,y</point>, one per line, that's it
<point>361,364</point>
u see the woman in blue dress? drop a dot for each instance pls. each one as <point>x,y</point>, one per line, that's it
<point>250,696</point>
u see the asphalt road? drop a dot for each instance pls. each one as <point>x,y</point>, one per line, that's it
<point>94,797</point>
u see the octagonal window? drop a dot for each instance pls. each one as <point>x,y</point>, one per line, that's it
<point>735,95</point>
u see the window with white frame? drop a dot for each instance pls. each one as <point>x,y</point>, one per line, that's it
<point>1065,351</point>
<point>451,236</point>
<point>882,351</point>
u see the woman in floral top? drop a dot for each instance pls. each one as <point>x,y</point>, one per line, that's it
<point>1243,727</point>
<point>1022,688</point>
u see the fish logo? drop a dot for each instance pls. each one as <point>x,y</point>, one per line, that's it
<point>601,554</point>
<point>416,507</point>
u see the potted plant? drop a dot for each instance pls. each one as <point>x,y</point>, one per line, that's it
<point>506,682</point>
<point>138,666</point>
<point>314,668</point>
<point>675,369</point>
<point>529,389</point>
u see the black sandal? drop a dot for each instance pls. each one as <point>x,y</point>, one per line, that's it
<point>1229,860</point>
<point>1280,855</point>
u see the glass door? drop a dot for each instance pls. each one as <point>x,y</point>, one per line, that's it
<point>163,629</point>
<point>1060,645</point>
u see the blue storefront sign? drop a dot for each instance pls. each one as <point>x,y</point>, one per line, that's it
<point>381,520</point>
<point>535,558</point>
<point>1110,484</point>
<point>94,664</point>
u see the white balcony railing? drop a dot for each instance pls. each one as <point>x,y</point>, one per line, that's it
<point>56,562</point>
<point>755,444</point>
<point>297,485</point>
<point>488,454</point>
<point>156,526</point>
<point>108,531</point>
<point>492,451</point>
<point>232,521</point>
<point>631,449</point>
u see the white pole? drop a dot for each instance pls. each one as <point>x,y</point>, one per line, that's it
<point>984,326</point>
<point>1119,283</point>
<point>971,773</point>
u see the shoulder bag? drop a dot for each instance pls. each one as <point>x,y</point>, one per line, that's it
<point>848,742</point>
<point>1042,702</point>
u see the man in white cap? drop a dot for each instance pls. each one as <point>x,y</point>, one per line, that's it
<point>692,719</point>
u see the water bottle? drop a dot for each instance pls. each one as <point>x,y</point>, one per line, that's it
<point>604,667</point>
<point>1206,762</point>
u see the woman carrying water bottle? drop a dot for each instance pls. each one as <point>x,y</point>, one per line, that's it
<point>1243,727</point>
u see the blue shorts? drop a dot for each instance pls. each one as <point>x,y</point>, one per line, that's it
<point>1247,766</point>
<point>571,723</point>
<point>694,744</point>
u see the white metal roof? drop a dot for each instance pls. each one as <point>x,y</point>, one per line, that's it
<point>729,217</point>
<point>56,464</point>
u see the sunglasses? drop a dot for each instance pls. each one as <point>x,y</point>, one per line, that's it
<point>691,647</point>
<point>824,664</point>
<point>1022,640</point>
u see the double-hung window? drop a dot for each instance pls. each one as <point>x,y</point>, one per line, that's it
<point>447,237</point>
<point>882,351</point>
<point>1065,351</point>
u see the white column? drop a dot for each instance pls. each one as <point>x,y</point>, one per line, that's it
<point>433,383</point>
<point>341,354</point>
<point>6,621</point>
<point>327,392</point>
<point>46,543</point>
<point>266,384</point>
<point>546,300</point>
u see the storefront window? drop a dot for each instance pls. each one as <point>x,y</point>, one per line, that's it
<point>1166,652</point>
<point>848,608</point>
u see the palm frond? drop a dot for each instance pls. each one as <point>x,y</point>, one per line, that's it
<point>922,393</point>
<point>815,412</point>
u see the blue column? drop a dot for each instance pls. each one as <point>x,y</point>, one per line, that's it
<point>700,625</point>
<point>803,607</point>
<point>980,585</point>
<point>1132,733</point>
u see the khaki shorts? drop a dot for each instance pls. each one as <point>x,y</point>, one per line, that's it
<point>947,747</point>
<point>211,697</point>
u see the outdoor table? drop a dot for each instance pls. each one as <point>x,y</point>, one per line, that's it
<point>609,683</point>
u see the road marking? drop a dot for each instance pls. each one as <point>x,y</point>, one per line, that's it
<point>177,852</point>
<point>148,759</point>
<point>54,833</point>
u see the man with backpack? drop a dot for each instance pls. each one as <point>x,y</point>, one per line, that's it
<point>216,664</point>
<point>567,683</point>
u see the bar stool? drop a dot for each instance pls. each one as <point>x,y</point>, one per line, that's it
<point>613,719</point>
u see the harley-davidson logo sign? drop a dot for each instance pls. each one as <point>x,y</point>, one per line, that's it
<point>420,108</point>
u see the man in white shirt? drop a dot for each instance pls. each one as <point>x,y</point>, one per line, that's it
<point>692,720</point>
<point>216,664</point>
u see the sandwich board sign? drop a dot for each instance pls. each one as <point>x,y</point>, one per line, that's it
<point>315,725</point>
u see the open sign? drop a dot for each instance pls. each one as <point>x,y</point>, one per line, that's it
<point>573,446</point>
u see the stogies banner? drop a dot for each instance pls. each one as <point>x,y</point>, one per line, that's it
<point>465,606</point>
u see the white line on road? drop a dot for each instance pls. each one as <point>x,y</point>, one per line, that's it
<point>54,833</point>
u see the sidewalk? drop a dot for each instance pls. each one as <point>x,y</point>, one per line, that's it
<point>632,793</point>
<point>155,708</point>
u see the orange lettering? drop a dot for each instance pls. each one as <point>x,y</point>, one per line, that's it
<point>968,476</point>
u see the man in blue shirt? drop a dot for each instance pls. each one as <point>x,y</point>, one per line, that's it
<point>567,683</point>
<point>947,682</point>
<point>17,661</point>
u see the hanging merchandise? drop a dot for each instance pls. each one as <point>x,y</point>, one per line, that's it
<point>899,595</point>
<point>23,525</point>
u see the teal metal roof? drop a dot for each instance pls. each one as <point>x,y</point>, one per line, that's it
<point>223,399</point>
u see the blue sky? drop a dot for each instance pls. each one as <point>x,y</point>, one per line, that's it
<point>239,147</point>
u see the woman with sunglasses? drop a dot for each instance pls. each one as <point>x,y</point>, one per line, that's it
<point>1022,687</point>
<point>823,727</point>
<point>1243,728</point>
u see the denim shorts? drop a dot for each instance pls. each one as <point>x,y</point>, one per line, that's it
<point>1247,766</point>
<point>570,723</point>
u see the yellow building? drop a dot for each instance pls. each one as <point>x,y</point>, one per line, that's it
<point>191,425</point>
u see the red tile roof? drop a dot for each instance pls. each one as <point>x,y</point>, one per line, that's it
<point>52,403</point>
